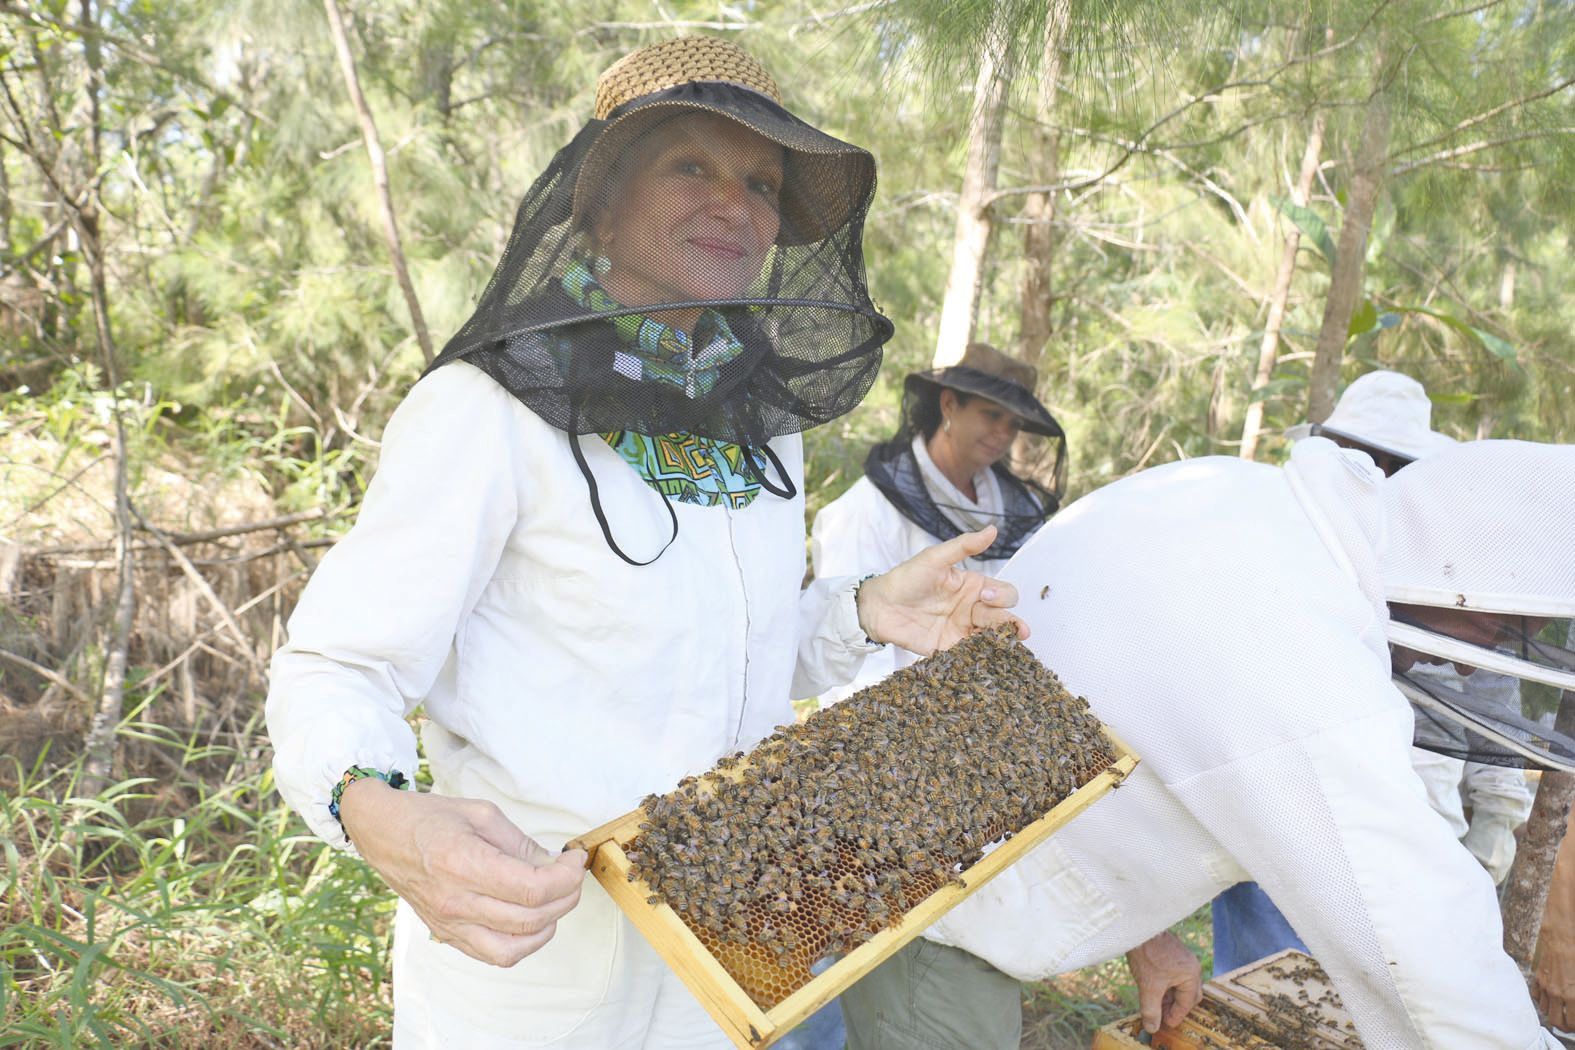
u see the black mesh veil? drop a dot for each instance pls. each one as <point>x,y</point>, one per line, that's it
<point>692,264</point>
<point>1492,717</point>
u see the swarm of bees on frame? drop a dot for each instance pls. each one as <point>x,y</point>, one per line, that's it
<point>1278,1020</point>
<point>1297,1022</point>
<point>830,830</point>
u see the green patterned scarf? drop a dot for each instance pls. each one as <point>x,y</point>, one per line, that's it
<point>656,351</point>
<point>685,468</point>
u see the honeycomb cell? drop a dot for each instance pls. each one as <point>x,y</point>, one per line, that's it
<point>831,830</point>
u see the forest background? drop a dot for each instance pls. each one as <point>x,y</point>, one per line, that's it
<point>231,232</point>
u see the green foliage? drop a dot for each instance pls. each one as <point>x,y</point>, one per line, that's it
<point>184,909</point>
<point>1312,226</point>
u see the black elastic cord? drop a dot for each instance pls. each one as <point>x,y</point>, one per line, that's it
<point>601,517</point>
<point>787,491</point>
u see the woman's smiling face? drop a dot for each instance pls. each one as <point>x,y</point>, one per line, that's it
<point>694,215</point>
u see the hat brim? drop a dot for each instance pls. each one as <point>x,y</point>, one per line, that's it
<point>825,181</point>
<point>1035,416</point>
<point>1409,453</point>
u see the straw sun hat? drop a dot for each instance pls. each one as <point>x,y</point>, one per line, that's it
<point>825,180</point>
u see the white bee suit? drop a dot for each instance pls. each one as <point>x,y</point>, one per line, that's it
<point>1228,619</point>
<point>558,682</point>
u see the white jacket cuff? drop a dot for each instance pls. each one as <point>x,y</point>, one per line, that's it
<point>832,644</point>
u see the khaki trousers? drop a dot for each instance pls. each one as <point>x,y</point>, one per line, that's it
<point>933,997</point>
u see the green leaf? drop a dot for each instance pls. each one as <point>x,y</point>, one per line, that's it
<point>1496,345</point>
<point>1499,347</point>
<point>1310,223</point>
<point>1363,319</point>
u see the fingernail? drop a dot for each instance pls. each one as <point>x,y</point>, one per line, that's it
<point>988,594</point>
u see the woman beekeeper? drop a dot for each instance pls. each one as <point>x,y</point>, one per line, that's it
<point>582,552</point>
<point>1232,621</point>
<point>944,473</point>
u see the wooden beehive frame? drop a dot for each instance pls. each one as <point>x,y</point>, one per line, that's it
<point>739,1016</point>
<point>1240,992</point>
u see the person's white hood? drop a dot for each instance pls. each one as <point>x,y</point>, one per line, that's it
<point>1486,526</point>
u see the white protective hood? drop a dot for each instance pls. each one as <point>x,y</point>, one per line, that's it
<point>1486,526</point>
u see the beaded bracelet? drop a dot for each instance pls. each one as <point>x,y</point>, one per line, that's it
<point>867,639</point>
<point>393,778</point>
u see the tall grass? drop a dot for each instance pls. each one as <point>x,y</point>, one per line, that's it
<point>182,907</point>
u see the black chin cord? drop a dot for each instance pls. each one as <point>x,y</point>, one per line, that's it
<point>787,490</point>
<point>596,501</point>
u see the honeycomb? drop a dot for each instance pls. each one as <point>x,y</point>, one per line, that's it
<point>831,830</point>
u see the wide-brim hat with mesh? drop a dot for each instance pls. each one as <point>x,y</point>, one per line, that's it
<point>1385,411</point>
<point>989,373</point>
<point>1486,527</point>
<point>825,181</point>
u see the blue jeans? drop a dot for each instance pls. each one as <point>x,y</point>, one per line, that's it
<point>1248,927</point>
<point>821,1030</point>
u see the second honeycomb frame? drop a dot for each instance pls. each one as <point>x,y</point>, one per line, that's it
<point>744,1021</point>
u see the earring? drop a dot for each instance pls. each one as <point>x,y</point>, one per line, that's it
<point>601,264</point>
<point>946,424</point>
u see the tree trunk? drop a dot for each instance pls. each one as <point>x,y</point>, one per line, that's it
<point>1269,348</point>
<point>1526,889</point>
<point>1032,457</point>
<point>972,241</point>
<point>374,153</point>
<point>1039,208</point>
<point>1345,284</point>
<point>99,746</point>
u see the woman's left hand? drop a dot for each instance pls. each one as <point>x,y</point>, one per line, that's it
<point>928,603</point>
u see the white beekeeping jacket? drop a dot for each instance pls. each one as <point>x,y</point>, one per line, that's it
<point>1228,620</point>
<point>557,680</point>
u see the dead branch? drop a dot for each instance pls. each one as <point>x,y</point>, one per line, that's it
<point>99,745</point>
<point>99,565</point>
<point>182,539</point>
<point>1477,147</point>
<point>246,606</point>
<point>53,677</point>
<point>206,590</point>
<point>68,483</point>
<point>186,539</point>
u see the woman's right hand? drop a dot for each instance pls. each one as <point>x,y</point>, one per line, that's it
<point>476,880</point>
